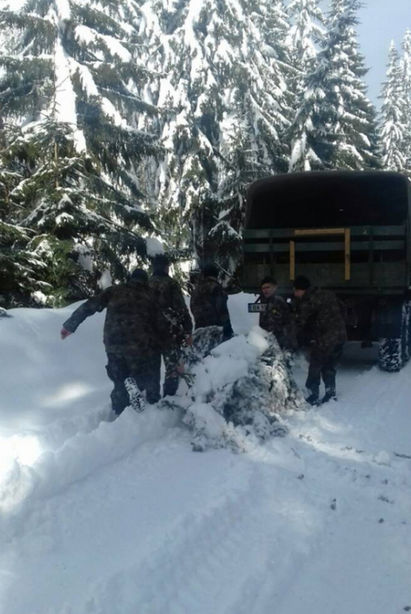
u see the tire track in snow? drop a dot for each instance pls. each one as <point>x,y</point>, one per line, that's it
<point>187,563</point>
<point>367,495</point>
<point>81,456</point>
<point>213,557</point>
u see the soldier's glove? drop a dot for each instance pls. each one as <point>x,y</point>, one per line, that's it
<point>64,333</point>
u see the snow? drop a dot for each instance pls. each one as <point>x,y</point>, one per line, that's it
<point>154,247</point>
<point>65,98</point>
<point>39,297</point>
<point>119,516</point>
<point>237,355</point>
<point>117,48</point>
<point>105,280</point>
<point>63,9</point>
<point>110,110</point>
<point>84,256</point>
<point>84,34</point>
<point>88,84</point>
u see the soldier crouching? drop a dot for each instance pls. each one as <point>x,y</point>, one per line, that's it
<point>208,302</point>
<point>277,317</point>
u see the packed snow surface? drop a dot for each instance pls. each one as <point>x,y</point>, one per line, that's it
<point>120,516</point>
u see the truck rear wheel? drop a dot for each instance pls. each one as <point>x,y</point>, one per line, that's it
<point>406,332</point>
<point>390,354</point>
<point>394,352</point>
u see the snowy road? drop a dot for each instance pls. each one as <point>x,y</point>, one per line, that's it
<point>121,517</point>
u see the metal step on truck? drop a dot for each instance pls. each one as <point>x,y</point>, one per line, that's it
<point>347,231</point>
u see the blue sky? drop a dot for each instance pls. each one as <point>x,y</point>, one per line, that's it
<point>381,22</point>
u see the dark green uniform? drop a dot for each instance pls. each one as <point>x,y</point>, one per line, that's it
<point>208,305</point>
<point>170,299</point>
<point>320,321</point>
<point>278,319</point>
<point>135,334</point>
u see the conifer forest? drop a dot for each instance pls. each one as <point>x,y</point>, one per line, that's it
<point>133,126</point>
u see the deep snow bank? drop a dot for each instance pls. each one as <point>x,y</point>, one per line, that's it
<point>121,517</point>
<point>57,427</point>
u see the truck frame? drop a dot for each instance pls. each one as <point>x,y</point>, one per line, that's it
<point>348,231</point>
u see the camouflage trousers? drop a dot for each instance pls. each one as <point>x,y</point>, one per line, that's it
<point>145,370</point>
<point>171,380</point>
<point>323,366</point>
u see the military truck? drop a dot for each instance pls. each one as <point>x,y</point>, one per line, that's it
<point>346,231</point>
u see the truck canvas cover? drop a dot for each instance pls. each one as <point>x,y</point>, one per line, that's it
<point>328,198</point>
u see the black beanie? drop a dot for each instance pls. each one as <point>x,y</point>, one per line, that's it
<point>160,262</point>
<point>268,280</point>
<point>301,283</point>
<point>139,275</point>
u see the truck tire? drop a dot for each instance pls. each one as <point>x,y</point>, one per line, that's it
<point>394,352</point>
<point>406,332</point>
<point>390,354</point>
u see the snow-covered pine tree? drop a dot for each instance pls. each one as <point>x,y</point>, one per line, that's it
<point>392,119</point>
<point>223,96</point>
<point>353,128</point>
<point>406,83</point>
<point>254,123</point>
<point>71,84</point>
<point>304,38</point>
<point>187,94</point>
<point>20,270</point>
<point>262,101</point>
<point>338,117</point>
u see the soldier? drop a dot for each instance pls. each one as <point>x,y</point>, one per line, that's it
<point>321,326</point>
<point>208,302</point>
<point>135,334</point>
<point>169,298</point>
<point>277,317</point>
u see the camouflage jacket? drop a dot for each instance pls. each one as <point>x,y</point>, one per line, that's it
<point>320,319</point>
<point>278,319</point>
<point>208,305</point>
<point>133,324</point>
<point>170,299</point>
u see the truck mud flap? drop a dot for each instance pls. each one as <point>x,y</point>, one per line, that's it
<point>389,319</point>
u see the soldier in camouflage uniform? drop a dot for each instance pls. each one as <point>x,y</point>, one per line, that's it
<point>277,317</point>
<point>135,334</point>
<point>321,326</point>
<point>170,299</point>
<point>208,302</point>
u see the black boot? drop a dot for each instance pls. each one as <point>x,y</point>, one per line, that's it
<point>313,399</point>
<point>119,398</point>
<point>329,395</point>
<point>170,386</point>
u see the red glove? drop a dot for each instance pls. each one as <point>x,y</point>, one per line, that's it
<point>64,333</point>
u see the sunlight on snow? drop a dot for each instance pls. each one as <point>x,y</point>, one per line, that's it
<point>17,455</point>
<point>68,392</point>
<point>22,448</point>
